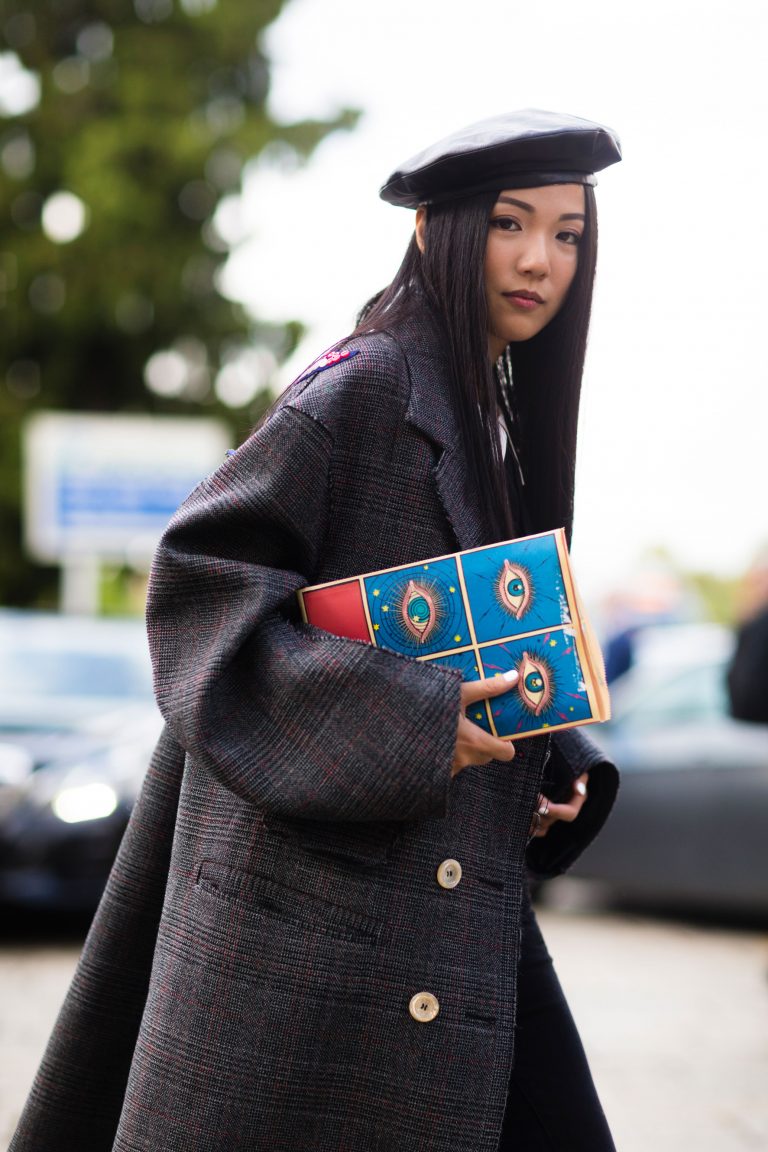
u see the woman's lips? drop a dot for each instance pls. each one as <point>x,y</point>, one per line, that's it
<point>526,301</point>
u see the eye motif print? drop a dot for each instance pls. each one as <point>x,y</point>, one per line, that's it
<point>550,689</point>
<point>418,612</point>
<point>535,684</point>
<point>514,589</point>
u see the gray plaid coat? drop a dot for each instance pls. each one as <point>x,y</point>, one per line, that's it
<point>275,906</point>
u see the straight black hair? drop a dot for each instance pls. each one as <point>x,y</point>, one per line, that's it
<point>546,370</point>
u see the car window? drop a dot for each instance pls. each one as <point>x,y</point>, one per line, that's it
<point>683,696</point>
<point>73,674</point>
<point>57,662</point>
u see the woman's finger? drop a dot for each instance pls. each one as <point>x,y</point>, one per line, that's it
<point>478,746</point>
<point>570,810</point>
<point>548,813</point>
<point>474,690</point>
<point>474,746</point>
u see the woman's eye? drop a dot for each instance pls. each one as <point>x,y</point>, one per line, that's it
<point>569,237</point>
<point>505,224</point>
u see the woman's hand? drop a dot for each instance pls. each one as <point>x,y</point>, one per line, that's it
<point>473,744</point>
<point>548,812</point>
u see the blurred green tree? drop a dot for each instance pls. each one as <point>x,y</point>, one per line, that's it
<point>110,179</point>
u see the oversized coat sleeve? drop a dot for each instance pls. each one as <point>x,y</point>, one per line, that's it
<point>291,718</point>
<point>572,754</point>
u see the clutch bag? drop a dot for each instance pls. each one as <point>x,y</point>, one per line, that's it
<point>483,611</point>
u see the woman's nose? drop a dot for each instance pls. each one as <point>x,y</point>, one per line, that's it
<point>534,257</point>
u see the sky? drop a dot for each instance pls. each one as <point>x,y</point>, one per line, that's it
<point>673,434</point>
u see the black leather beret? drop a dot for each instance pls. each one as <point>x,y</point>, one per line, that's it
<point>522,149</point>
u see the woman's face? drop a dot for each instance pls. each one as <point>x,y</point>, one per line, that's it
<point>530,259</point>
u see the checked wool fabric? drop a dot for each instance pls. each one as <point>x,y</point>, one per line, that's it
<point>245,986</point>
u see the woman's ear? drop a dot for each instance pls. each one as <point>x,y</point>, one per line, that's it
<point>421,225</point>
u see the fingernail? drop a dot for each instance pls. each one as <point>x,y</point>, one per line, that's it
<point>581,788</point>
<point>510,675</point>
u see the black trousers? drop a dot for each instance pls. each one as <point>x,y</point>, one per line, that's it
<point>552,1105</point>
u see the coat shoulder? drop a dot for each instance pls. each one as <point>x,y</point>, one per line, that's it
<point>367,377</point>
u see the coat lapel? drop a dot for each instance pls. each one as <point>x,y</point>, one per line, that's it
<point>432,411</point>
<point>463,509</point>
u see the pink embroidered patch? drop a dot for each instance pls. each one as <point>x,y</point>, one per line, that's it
<point>334,357</point>
<point>328,361</point>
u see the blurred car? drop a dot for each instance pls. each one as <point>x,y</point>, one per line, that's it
<point>689,826</point>
<point>77,726</point>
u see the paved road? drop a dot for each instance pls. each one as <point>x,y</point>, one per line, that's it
<point>674,1018</point>
<point>675,1022</point>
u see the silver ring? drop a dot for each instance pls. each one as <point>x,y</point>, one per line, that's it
<point>543,809</point>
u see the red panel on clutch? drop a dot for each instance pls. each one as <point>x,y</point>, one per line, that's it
<point>338,609</point>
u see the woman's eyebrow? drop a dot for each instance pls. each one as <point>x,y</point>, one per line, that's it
<point>517,203</point>
<point>530,208</point>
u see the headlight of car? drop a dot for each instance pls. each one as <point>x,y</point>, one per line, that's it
<point>80,802</point>
<point>90,789</point>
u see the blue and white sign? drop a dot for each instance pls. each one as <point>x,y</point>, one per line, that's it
<point>105,486</point>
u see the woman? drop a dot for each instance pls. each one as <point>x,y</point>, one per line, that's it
<point>312,936</point>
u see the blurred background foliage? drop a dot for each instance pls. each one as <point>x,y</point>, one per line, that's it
<point>142,119</point>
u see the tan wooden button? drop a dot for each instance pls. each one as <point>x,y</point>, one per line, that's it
<point>423,1007</point>
<point>449,874</point>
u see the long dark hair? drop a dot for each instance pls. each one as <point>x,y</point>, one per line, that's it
<point>546,370</point>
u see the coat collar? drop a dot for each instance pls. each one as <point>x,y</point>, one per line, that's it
<point>432,411</point>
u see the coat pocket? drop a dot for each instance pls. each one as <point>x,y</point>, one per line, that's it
<point>283,904</point>
<point>367,845</point>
